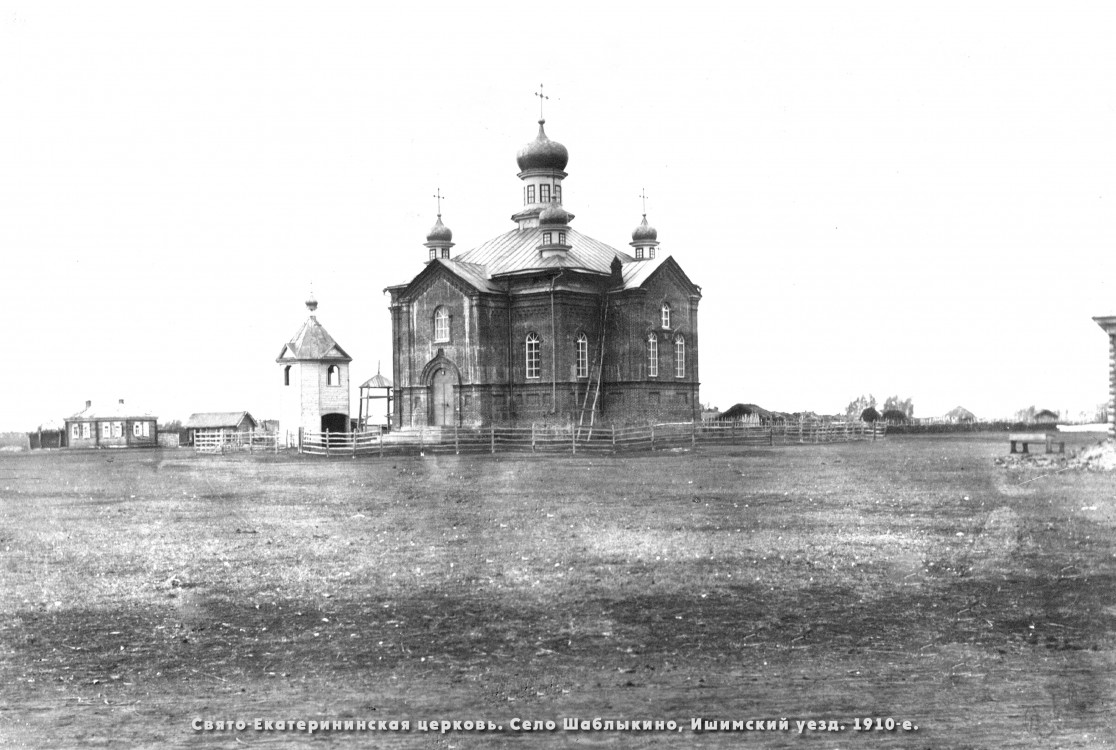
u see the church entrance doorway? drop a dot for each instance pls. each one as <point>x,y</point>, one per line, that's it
<point>441,398</point>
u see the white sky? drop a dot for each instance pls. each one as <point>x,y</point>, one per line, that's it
<point>875,197</point>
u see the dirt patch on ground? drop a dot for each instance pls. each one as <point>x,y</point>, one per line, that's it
<point>911,579</point>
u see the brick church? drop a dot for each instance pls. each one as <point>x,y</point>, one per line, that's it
<point>543,324</point>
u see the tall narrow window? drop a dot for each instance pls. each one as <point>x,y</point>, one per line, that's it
<point>531,348</point>
<point>445,252</point>
<point>544,193</point>
<point>666,315</point>
<point>137,429</point>
<point>333,375</point>
<point>639,253</point>
<point>433,253</point>
<point>652,356</point>
<point>530,193</point>
<point>86,430</point>
<point>75,431</point>
<point>557,193</point>
<point>679,356</point>
<point>287,375</point>
<point>441,324</point>
<point>547,236</point>
<point>106,429</point>
<point>561,238</point>
<point>582,355</point>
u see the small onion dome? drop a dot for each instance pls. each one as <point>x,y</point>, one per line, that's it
<point>439,232</point>
<point>554,215</point>
<point>645,232</point>
<point>311,304</point>
<point>542,153</point>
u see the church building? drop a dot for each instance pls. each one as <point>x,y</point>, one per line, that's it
<point>543,324</point>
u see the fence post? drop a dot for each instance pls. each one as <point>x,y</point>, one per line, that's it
<point>300,433</point>
<point>532,437</point>
<point>573,439</point>
<point>652,437</point>
<point>493,438</point>
<point>422,444</point>
<point>380,435</point>
<point>771,433</point>
<point>612,429</point>
<point>456,447</point>
<point>693,433</point>
<point>353,437</point>
<point>732,427</point>
<point>325,436</point>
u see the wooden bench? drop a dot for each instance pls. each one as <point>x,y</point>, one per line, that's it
<point>1036,437</point>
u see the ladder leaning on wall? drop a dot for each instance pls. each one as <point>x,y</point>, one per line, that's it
<point>599,369</point>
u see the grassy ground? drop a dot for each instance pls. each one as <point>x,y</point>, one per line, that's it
<point>908,578</point>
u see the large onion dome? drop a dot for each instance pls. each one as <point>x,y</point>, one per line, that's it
<point>554,215</point>
<point>439,232</point>
<point>542,153</point>
<point>645,232</point>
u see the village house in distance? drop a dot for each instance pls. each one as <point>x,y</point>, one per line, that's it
<point>113,426</point>
<point>543,323</point>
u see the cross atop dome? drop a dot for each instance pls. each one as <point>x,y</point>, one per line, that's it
<point>539,94</point>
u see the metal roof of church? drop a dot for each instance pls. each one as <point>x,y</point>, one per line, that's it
<point>517,251</point>
<point>637,272</point>
<point>313,342</point>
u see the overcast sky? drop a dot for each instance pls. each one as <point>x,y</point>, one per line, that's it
<point>874,197</point>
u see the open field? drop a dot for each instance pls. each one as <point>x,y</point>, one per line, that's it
<point>908,578</point>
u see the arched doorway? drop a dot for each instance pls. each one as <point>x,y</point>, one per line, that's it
<point>441,398</point>
<point>335,423</point>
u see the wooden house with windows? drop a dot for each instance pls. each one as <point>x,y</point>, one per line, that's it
<point>113,426</point>
<point>220,424</point>
<point>544,323</point>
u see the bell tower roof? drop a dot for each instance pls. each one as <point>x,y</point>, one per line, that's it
<point>312,342</point>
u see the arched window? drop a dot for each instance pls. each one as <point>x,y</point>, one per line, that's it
<point>582,355</point>
<point>652,356</point>
<point>287,375</point>
<point>441,324</point>
<point>679,356</point>
<point>531,348</point>
<point>333,375</point>
<point>666,315</point>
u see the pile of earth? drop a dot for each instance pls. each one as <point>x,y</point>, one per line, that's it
<point>1100,457</point>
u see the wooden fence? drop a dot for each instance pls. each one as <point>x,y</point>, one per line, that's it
<point>251,442</point>
<point>568,439</point>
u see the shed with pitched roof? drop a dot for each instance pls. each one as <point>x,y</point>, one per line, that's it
<point>223,424</point>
